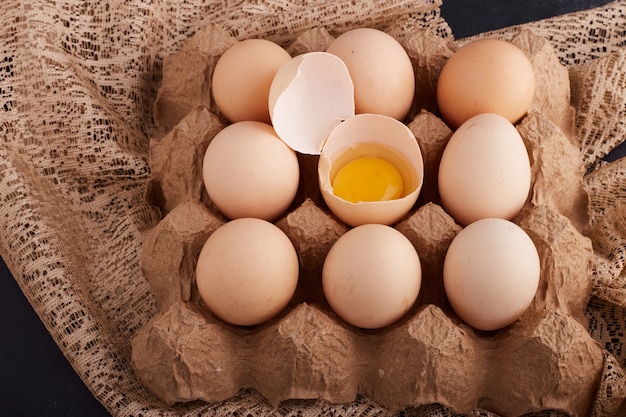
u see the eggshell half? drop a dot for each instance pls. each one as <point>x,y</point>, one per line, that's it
<point>360,136</point>
<point>309,96</point>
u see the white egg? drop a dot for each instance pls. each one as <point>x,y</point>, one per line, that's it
<point>491,273</point>
<point>484,170</point>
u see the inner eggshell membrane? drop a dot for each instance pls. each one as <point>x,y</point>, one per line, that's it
<point>309,96</point>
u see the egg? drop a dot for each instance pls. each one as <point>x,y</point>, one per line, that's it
<point>381,70</point>
<point>242,78</point>
<point>371,276</point>
<point>491,273</point>
<point>370,170</point>
<point>484,170</point>
<point>247,271</point>
<point>485,76</point>
<point>248,171</point>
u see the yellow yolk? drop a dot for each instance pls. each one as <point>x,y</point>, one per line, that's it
<point>368,179</point>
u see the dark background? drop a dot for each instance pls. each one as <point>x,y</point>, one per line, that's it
<point>36,379</point>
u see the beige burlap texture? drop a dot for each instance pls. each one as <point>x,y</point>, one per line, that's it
<point>78,81</point>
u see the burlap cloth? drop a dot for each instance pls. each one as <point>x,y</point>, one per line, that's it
<point>78,80</point>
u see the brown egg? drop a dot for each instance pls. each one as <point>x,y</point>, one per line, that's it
<point>247,271</point>
<point>485,76</point>
<point>249,172</point>
<point>382,72</point>
<point>372,276</point>
<point>242,78</point>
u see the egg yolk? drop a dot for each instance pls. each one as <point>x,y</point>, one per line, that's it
<point>368,179</point>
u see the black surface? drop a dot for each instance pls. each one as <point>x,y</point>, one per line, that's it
<point>469,17</point>
<point>35,378</point>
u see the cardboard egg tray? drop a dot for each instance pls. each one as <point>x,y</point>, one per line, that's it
<point>545,360</point>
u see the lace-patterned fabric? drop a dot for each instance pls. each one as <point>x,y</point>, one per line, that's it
<point>78,80</point>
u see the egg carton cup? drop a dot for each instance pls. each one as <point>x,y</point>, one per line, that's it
<point>78,85</point>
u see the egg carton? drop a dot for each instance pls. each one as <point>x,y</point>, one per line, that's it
<point>545,360</point>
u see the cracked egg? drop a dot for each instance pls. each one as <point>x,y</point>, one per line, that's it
<point>371,170</point>
<point>370,167</point>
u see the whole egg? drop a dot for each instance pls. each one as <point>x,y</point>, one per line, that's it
<point>484,170</point>
<point>485,76</point>
<point>491,273</point>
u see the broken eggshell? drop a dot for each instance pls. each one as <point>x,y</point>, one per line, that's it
<point>379,136</point>
<point>312,108</point>
<point>309,96</point>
